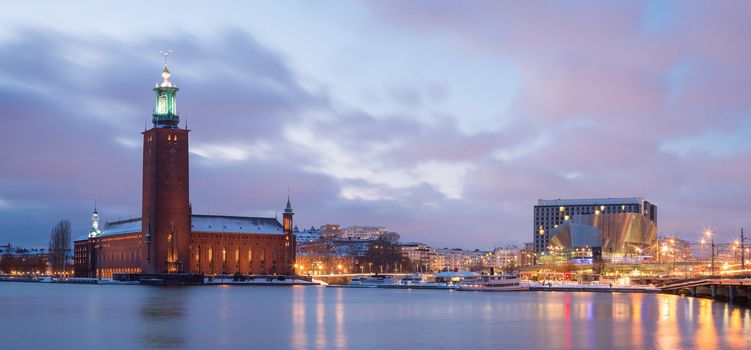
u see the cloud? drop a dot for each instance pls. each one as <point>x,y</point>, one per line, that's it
<point>431,118</point>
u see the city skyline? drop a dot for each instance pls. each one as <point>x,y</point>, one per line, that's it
<point>448,136</point>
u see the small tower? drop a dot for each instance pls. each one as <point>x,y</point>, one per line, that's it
<point>94,231</point>
<point>287,218</point>
<point>165,108</point>
<point>290,243</point>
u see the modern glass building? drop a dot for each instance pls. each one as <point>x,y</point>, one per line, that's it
<point>604,225</point>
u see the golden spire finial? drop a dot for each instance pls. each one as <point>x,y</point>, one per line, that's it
<point>165,73</point>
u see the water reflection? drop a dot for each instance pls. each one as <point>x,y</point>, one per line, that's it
<point>162,318</point>
<point>299,332</point>
<point>127,317</point>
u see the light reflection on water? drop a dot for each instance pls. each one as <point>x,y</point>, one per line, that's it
<point>125,317</point>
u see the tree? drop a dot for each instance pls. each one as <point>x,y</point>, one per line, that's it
<point>59,249</point>
<point>385,253</point>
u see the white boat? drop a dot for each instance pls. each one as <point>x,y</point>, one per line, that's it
<point>497,283</point>
<point>372,281</point>
<point>417,281</point>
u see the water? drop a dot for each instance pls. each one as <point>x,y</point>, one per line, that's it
<point>42,316</point>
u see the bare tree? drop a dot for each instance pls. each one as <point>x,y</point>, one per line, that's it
<point>385,254</point>
<point>60,241</point>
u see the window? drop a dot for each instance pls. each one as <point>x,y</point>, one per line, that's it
<point>163,104</point>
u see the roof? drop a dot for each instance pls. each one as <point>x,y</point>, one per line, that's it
<point>590,201</point>
<point>203,223</point>
<point>241,224</point>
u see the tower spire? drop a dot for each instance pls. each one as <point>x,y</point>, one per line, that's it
<point>165,109</point>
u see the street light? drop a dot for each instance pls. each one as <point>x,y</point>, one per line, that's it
<point>708,234</point>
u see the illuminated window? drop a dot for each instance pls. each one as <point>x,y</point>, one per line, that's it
<point>561,208</point>
<point>169,137</point>
<point>211,254</point>
<point>163,104</point>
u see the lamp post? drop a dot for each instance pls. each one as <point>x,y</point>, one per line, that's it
<point>743,250</point>
<point>708,234</point>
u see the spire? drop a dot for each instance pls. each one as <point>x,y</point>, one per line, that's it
<point>288,209</point>
<point>165,109</point>
<point>165,75</point>
<point>94,231</point>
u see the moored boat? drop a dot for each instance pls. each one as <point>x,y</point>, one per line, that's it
<point>496,283</point>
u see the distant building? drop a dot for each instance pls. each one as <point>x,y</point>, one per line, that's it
<point>331,231</point>
<point>460,259</point>
<point>305,236</point>
<point>527,255</point>
<point>362,233</point>
<point>506,257</point>
<point>23,261</point>
<point>420,254</point>
<point>605,225</point>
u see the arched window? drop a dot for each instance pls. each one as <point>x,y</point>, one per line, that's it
<point>163,104</point>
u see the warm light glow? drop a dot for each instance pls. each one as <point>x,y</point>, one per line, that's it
<point>561,208</point>
<point>597,212</point>
<point>565,218</point>
<point>602,207</point>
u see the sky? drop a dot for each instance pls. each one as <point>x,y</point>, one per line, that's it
<point>444,121</point>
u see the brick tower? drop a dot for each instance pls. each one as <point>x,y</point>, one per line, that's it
<point>290,241</point>
<point>166,207</point>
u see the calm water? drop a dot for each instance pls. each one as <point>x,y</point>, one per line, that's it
<point>42,316</point>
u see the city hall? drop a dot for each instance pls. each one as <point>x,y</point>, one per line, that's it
<point>168,237</point>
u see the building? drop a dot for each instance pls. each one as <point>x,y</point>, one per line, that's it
<point>420,254</point>
<point>362,233</point>
<point>457,259</point>
<point>527,255</point>
<point>606,225</point>
<point>331,231</point>
<point>23,261</point>
<point>168,237</point>
<point>306,236</point>
<point>506,257</point>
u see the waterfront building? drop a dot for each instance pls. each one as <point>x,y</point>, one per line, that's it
<point>611,226</point>
<point>457,259</point>
<point>23,261</point>
<point>506,257</point>
<point>168,237</point>
<point>527,254</point>
<point>420,254</point>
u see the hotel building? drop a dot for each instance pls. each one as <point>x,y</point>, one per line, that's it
<point>608,225</point>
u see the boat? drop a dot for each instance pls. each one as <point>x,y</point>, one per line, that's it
<point>417,281</point>
<point>495,283</point>
<point>372,281</point>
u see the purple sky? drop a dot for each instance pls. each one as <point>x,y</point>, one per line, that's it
<point>442,120</point>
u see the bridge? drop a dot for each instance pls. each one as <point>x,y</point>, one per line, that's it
<point>732,290</point>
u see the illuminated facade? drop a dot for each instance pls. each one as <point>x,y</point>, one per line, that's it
<point>169,238</point>
<point>607,225</point>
